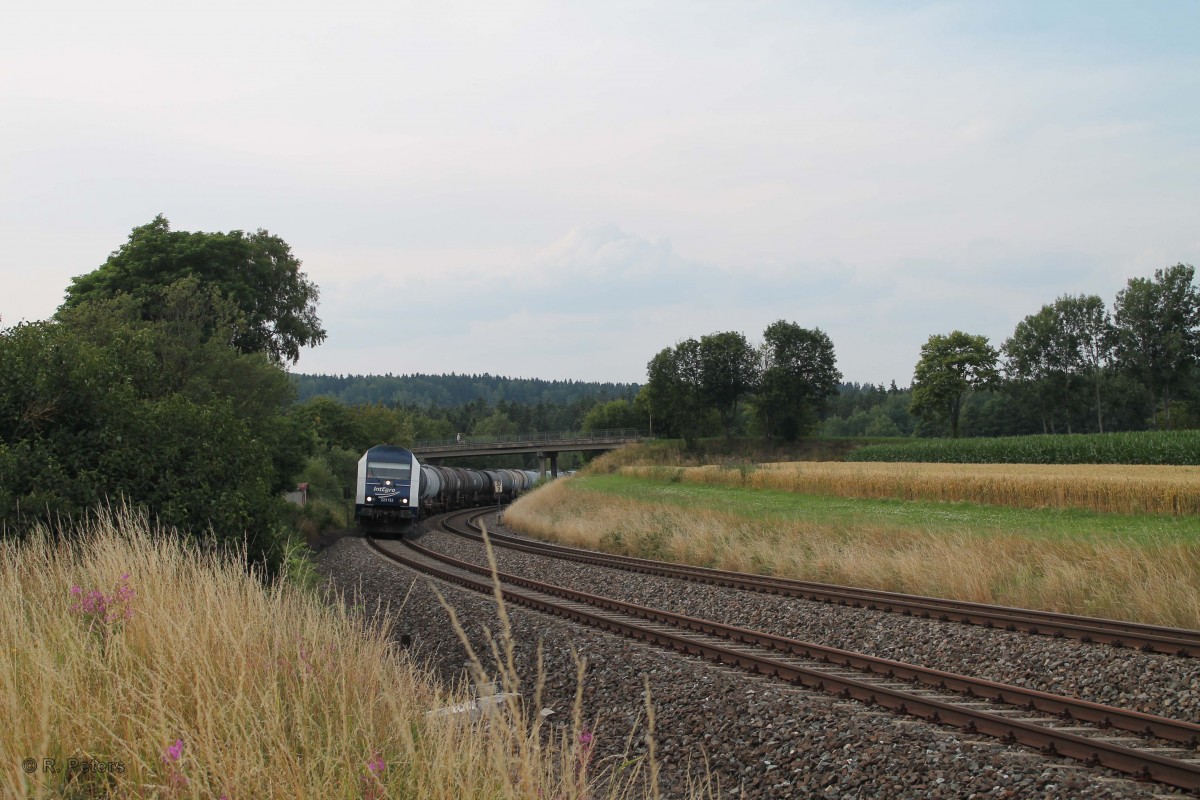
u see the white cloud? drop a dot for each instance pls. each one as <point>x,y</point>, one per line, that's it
<point>616,173</point>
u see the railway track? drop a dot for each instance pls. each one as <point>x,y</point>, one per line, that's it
<point>1118,633</point>
<point>1142,745</point>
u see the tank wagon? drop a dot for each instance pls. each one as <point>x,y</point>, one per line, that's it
<point>394,489</point>
<point>450,488</point>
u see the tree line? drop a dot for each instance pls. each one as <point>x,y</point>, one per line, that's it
<point>453,390</point>
<point>781,386</point>
<point>1073,366</point>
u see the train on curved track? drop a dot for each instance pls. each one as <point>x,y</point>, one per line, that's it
<point>394,489</point>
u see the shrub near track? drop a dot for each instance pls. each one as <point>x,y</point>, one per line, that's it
<point>1140,447</point>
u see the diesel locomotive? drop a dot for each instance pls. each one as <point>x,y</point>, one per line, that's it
<point>394,489</point>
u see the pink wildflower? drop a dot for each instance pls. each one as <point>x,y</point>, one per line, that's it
<point>97,606</point>
<point>173,752</point>
<point>171,758</point>
<point>585,751</point>
<point>372,785</point>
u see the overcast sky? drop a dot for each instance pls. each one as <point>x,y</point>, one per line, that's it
<point>560,190</point>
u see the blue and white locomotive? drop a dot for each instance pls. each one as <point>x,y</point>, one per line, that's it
<point>389,488</point>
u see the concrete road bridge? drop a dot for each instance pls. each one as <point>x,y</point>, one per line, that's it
<point>546,446</point>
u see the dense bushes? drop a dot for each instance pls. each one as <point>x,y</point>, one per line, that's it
<point>102,407</point>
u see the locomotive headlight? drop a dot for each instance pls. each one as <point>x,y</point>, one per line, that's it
<point>369,499</point>
<point>387,483</point>
<point>403,501</point>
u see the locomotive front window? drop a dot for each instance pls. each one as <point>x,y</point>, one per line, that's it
<point>395,472</point>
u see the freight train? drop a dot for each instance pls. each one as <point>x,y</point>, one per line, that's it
<point>394,490</point>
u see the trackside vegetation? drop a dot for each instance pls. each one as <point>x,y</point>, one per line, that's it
<point>1141,567</point>
<point>146,666</point>
<point>1134,447</point>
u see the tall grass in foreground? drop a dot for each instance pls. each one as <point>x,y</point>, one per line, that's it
<point>1094,487</point>
<point>1156,583</point>
<point>145,667</point>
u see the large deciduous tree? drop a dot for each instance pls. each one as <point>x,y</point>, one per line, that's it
<point>672,391</point>
<point>1158,331</point>
<point>799,375</point>
<point>1036,363</point>
<point>256,272</point>
<point>1055,351</point>
<point>1094,338</point>
<point>728,373</point>
<point>950,366</point>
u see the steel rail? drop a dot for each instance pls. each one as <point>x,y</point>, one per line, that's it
<point>1031,699</point>
<point>1140,764</point>
<point>1119,633</point>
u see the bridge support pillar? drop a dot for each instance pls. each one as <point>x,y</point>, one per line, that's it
<point>553,459</point>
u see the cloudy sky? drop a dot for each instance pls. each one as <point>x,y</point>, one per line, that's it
<point>560,190</point>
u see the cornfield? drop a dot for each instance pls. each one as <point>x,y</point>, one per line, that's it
<point>1140,447</point>
<point>1120,489</point>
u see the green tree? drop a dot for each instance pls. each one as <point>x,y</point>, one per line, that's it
<point>881,424</point>
<point>613,415</point>
<point>496,424</point>
<point>728,374</point>
<point>1054,353</point>
<point>799,375</point>
<point>84,421</point>
<point>431,427</point>
<point>1158,331</point>
<point>673,391</point>
<point>1041,359</point>
<point>331,422</point>
<point>378,424</point>
<point>1094,337</point>
<point>951,366</point>
<point>256,272</point>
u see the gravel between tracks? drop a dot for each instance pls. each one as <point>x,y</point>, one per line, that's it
<point>1153,683</point>
<point>759,737</point>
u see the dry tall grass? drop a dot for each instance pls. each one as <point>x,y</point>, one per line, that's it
<point>1097,487</point>
<point>147,668</point>
<point>1157,583</point>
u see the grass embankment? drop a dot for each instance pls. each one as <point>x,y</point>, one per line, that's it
<point>166,671</point>
<point>1138,567</point>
